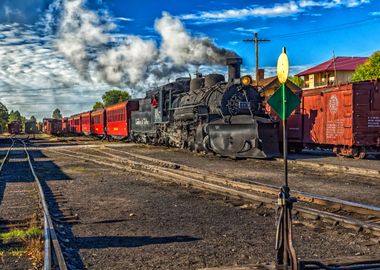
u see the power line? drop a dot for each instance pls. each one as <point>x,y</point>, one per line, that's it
<point>325,29</point>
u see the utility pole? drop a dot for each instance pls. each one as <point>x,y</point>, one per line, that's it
<point>256,40</point>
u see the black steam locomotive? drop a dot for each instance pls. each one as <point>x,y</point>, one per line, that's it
<point>208,114</point>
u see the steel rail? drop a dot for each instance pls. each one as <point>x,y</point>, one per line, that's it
<point>7,154</point>
<point>50,236</point>
<point>164,173</point>
<point>260,187</point>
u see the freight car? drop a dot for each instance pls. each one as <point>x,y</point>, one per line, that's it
<point>52,126</point>
<point>208,114</point>
<point>343,118</point>
<point>14,127</point>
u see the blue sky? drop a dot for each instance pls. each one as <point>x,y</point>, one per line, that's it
<point>348,27</point>
<point>51,60</point>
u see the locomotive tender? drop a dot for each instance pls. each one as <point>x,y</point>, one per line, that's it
<point>208,114</point>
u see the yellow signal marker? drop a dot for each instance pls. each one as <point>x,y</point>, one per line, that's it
<point>283,66</point>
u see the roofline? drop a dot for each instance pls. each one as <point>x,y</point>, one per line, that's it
<point>303,73</point>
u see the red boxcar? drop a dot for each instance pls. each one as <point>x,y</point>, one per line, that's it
<point>65,125</point>
<point>85,119</point>
<point>118,118</point>
<point>52,126</point>
<point>345,118</point>
<point>98,122</point>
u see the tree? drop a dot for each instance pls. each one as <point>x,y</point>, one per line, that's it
<point>369,70</point>
<point>33,119</point>
<point>3,117</point>
<point>114,96</point>
<point>97,105</point>
<point>14,116</point>
<point>57,114</point>
<point>297,81</point>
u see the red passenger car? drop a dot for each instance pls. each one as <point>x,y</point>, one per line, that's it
<point>65,125</point>
<point>85,119</point>
<point>118,118</point>
<point>98,121</point>
<point>75,124</point>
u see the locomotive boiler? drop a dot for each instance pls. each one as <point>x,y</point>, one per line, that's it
<point>208,114</point>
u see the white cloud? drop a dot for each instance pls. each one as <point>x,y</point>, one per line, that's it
<point>291,8</point>
<point>277,10</point>
<point>332,3</point>
<point>35,78</point>
<point>250,31</point>
<point>68,60</point>
<point>375,13</point>
<point>123,19</point>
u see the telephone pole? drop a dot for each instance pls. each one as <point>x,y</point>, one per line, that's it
<point>256,40</point>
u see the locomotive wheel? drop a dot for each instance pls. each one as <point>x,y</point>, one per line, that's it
<point>206,145</point>
<point>191,146</point>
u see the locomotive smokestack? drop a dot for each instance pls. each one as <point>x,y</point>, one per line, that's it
<point>233,64</point>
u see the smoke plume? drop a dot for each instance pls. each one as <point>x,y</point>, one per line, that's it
<point>127,62</point>
<point>86,40</point>
<point>183,49</point>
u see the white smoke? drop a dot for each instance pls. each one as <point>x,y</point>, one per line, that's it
<point>127,62</point>
<point>86,40</point>
<point>79,30</point>
<point>183,49</point>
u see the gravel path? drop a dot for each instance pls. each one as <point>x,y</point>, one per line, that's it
<point>130,222</point>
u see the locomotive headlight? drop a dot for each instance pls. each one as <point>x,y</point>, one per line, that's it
<point>246,80</point>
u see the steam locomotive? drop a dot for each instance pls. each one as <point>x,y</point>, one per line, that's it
<point>208,114</point>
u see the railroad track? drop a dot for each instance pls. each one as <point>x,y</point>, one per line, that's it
<point>329,210</point>
<point>53,255</point>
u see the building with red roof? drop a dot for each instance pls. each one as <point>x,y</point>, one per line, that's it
<point>324,74</point>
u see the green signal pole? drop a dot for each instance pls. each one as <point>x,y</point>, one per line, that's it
<point>286,187</point>
<point>285,136</point>
<point>284,101</point>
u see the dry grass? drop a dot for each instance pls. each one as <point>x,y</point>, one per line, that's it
<point>30,240</point>
<point>35,251</point>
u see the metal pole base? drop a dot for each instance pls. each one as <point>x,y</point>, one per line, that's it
<point>286,257</point>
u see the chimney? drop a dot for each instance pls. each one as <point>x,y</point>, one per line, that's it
<point>234,68</point>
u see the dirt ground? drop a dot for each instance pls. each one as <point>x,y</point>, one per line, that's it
<point>357,188</point>
<point>131,222</point>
